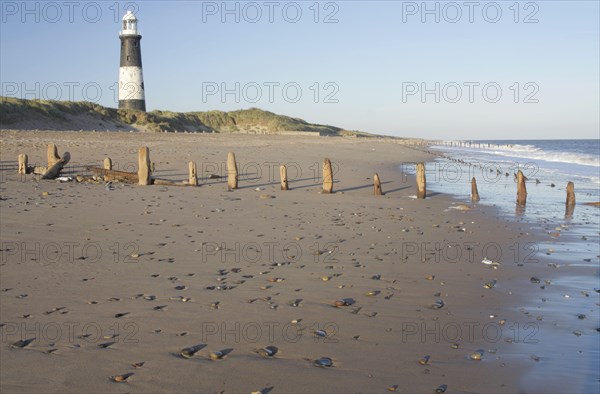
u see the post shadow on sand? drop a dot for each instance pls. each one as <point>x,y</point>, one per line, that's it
<point>431,194</point>
<point>369,185</point>
<point>292,183</point>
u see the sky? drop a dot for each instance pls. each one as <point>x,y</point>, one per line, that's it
<point>436,69</point>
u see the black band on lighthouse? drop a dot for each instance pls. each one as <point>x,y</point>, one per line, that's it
<point>131,51</point>
<point>133,104</point>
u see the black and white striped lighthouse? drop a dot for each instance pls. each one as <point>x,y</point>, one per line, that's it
<point>131,79</point>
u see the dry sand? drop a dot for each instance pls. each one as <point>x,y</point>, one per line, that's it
<point>120,245</point>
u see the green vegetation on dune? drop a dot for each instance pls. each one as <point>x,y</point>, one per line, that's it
<point>253,120</point>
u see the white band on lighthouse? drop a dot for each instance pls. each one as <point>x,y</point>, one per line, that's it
<point>131,83</point>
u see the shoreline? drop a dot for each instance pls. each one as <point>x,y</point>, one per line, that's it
<point>367,235</point>
<point>568,245</point>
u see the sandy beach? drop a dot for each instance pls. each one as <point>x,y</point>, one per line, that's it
<point>108,276</point>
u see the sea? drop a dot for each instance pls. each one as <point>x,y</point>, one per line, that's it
<point>569,351</point>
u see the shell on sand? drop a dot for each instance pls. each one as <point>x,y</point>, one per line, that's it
<point>268,351</point>
<point>216,355</point>
<point>439,304</point>
<point>189,352</point>
<point>476,355</point>
<point>487,261</point>
<point>490,285</point>
<point>121,378</point>
<point>323,362</point>
<point>22,343</point>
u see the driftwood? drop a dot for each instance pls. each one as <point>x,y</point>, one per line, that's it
<point>327,177</point>
<point>38,170</point>
<point>53,156</point>
<point>23,159</point>
<point>421,181</point>
<point>232,172</point>
<point>113,175</point>
<point>144,166</point>
<point>55,169</point>
<point>377,185</point>
<point>521,189</point>
<point>283,176</point>
<point>168,182</point>
<point>474,191</point>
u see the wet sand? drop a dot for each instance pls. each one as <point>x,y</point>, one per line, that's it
<point>83,262</point>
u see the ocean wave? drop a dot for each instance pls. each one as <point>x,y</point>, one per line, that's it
<point>532,152</point>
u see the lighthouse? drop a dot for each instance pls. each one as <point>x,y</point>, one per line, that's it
<point>131,78</point>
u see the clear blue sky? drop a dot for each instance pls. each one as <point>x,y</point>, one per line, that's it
<point>374,60</point>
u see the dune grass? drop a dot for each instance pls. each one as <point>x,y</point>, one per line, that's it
<point>14,110</point>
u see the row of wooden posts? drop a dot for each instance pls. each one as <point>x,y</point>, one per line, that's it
<point>145,167</point>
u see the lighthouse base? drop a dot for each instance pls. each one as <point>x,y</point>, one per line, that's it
<point>140,105</point>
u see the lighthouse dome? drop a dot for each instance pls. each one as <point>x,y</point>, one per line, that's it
<point>129,16</point>
<point>129,24</point>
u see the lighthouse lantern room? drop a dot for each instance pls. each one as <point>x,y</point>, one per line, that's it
<point>131,78</point>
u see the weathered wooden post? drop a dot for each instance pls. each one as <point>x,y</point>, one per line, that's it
<point>474,192</point>
<point>23,161</point>
<point>377,185</point>
<point>521,189</point>
<point>327,177</point>
<point>144,166</point>
<point>193,177</point>
<point>107,163</point>
<point>570,195</point>
<point>53,156</point>
<point>283,176</point>
<point>421,181</point>
<point>232,172</point>
<point>54,171</point>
